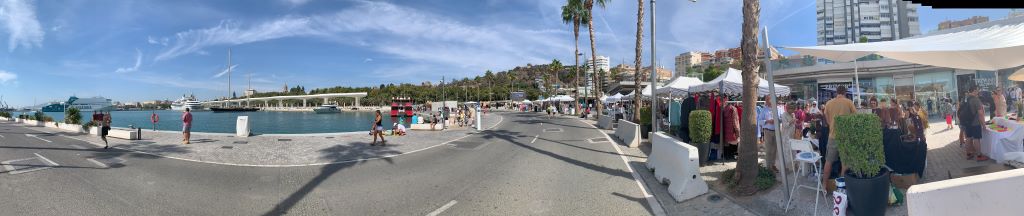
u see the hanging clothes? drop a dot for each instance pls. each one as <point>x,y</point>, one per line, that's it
<point>716,115</point>
<point>689,105</point>
<point>730,125</point>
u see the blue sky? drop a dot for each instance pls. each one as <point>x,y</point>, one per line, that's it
<point>147,50</point>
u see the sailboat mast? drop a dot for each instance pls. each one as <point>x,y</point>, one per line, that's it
<point>229,78</point>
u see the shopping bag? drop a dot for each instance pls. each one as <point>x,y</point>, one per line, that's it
<point>839,199</point>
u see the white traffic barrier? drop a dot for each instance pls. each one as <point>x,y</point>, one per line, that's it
<point>676,163</point>
<point>242,126</point>
<point>604,122</point>
<point>629,133</point>
<point>127,134</point>
<point>995,193</point>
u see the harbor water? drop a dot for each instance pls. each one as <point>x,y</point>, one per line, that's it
<point>262,122</point>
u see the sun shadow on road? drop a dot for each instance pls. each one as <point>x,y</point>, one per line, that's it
<point>337,153</point>
<point>510,136</point>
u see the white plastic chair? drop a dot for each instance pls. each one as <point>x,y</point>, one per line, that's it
<point>800,146</point>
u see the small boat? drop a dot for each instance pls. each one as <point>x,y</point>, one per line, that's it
<point>327,109</point>
<point>234,109</point>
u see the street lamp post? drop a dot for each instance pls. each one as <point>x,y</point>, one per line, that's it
<point>654,71</point>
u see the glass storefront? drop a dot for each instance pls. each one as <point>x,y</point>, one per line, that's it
<point>930,88</point>
<point>884,88</point>
<point>904,87</point>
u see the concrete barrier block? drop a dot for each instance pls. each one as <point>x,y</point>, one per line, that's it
<point>72,127</point>
<point>678,164</point>
<point>424,127</point>
<point>124,134</point>
<point>987,194</point>
<point>604,122</point>
<point>629,133</point>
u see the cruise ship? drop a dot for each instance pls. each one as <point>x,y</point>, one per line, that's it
<point>187,101</point>
<point>83,104</point>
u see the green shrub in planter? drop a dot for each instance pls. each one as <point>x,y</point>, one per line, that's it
<point>859,138</point>
<point>87,125</point>
<point>72,116</point>
<point>700,133</point>
<point>645,116</point>
<point>700,126</point>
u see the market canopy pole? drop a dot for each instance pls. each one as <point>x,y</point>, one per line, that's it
<point>775,115</point>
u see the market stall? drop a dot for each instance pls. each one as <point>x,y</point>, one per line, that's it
<point>1001,137</point>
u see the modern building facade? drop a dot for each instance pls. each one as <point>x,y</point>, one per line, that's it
<point>888,78</point>
<point>602,64</point>
<point>846,21</point>
<point>687,60</point>
<point>948,24</point>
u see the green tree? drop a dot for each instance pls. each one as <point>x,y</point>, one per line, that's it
<point>556,67</point>
<point>593,48</point>
<point>746,165</point>
<point>638,57</point>
<point>711,73</point>
<point>863,39</point>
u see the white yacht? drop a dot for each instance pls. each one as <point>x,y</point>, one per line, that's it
<point>187,101</point>
<point>327,108</point>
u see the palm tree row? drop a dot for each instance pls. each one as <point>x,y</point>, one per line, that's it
<point>574,13</point>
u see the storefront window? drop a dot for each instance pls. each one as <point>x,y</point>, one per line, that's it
<point>884,87</point>
<point>986,80</point>
<point>904,87</point>
<point>933,87</point>
<point>868,89</point>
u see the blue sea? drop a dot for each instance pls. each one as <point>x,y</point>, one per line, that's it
<point>262,122</point>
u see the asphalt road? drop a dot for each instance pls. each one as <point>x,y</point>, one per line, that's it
<point>528,165</point>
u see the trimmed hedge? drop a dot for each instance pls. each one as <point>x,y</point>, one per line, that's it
<point>859,138</point>
<point>645,116</point>
<point>72,116</point>
<point>700,126</point>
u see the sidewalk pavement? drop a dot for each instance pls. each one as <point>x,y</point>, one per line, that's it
<point>944,155</point>
<point>280,150</point>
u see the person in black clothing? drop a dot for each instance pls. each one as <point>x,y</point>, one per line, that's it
<point>378,130</point>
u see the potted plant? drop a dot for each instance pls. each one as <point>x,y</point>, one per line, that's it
<point>700,133</point>
<point>645,121</point>
<point>859,139</point>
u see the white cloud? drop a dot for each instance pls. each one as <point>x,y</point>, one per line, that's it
<point>296,3</point>
<point>367,60</point>
<point>225,71</point>
<point>19,19</point>
<point>138,63</point>
<point>159,41</point>
<point>412,35</point>
<point>6,77</point>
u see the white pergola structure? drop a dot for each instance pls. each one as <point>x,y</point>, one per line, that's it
<point>304,98</point>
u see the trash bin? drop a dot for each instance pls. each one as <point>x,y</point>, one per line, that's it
<point>242,126</point>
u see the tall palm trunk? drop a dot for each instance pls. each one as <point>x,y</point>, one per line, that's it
<point>636,62</point>
<point>746,166</point>
<point>576,78</point>
<point>593,52</point>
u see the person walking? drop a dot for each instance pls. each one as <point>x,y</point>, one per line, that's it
<point>105,129</point>
<point>768,128</point>
<point>999,101</point>
<point>378,130</point>
<point>186,126</point>
<point>154,118</point>
<point>947,111</point>
<point>433,120</point>
<point>973,117</point>
<point>837,106</point>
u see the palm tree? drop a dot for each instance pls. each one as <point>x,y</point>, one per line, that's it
<point>636,62</point>
<point>746,166</point>
<point>589,4</point>
<point>556,67</point>
<point>574,13</point>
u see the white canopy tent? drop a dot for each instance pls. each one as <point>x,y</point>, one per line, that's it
<point>679,86</point>
<point>731,82</point>
<point>527,101</point>
<point>990,46</point>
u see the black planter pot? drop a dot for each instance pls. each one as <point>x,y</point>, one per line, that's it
<point>703,149</point>
<point>644,129</point>
<point>868,196</point>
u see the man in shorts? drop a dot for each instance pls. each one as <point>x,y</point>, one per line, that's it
<point>186,126</point>
<point>973,117</point>
<point>838,106</point>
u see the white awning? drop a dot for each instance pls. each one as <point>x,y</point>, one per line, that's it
<point>679,86</point>
<point>988,46</point>
<point>731,82</point>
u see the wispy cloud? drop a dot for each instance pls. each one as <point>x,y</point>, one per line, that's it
<point>409,34</point>
<point>296,3</point>
<point>19,19</point>
<point>160,41</point>
<point>367,60</point>
<point>225,71</point>
<point>6,77</point>
<point>138,63</point>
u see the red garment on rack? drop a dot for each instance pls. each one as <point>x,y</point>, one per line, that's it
<point>729,124</point>
<point>716,115</point>
<point>739,112</point>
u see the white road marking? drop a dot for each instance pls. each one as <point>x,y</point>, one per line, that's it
<point>7,165</point>
<point>2,136</point>
<point>34,136</point>
<point>76,146</point>
<point>103,165</point>
<point>535,138</point>
<point>46,159</point>
<point>651,201</point>
<point>445,207</point>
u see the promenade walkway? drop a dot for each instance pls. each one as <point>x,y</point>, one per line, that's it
<point>280,150</point>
